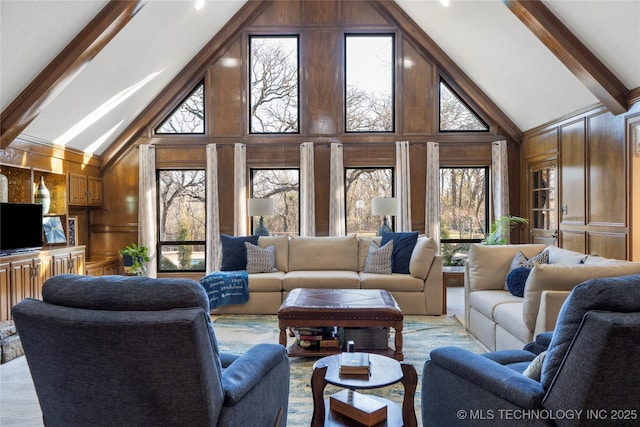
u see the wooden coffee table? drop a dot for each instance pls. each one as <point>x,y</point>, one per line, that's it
<point>306,307</point>
<point>384,372</point>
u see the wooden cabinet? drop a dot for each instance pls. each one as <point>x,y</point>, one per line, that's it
<point>102,267</point>
<point>22,275</point>
<point>85,190</point>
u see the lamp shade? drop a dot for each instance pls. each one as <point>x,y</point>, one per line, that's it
<point>384,206</point>
<point>260,207</point>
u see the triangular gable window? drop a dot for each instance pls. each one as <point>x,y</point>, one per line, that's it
<point>188,117</point>
<point>455,114</point>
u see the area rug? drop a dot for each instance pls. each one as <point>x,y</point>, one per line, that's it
<point>421,334</point>
<point>235,334</point>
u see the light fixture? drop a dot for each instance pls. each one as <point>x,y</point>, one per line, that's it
<point>383,206</point>
<point>260,207</point>
<point>199,4</point>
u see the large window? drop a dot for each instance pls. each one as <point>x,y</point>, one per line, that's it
<point>455,114</point>
<point>274,84</point>
<point>463,211</point>
<point>283,186</point>
<point>369,63</point>
<point>182,219</point>
<point>361,186</point>
<point>188,117</point>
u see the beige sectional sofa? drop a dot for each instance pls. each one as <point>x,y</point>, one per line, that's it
<point>338,262</point>
<point>503,321</point>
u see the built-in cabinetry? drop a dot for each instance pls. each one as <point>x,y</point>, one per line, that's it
<point>22,275</point>
<point>85,190</point>
<point>577,184</point>
<point>102,267</point>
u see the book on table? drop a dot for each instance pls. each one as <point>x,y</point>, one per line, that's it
<point>354,363</point>
<point>359,407</point>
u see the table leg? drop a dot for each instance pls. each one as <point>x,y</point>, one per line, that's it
<point>410,382</point>
<point>283,335</point>
<point>398,344</point>
<point>318,383</point>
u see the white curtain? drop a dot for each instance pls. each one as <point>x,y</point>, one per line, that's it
<point>403,187</point>
<point>500,180</point>
<point>240,185</point>
<point>432,196</point>
<point>336,202</point>
<point>147,228</point>
<point>213,211</point>
<point>307,191</point>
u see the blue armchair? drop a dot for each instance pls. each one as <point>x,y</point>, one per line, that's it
<point>589,372</point>
<point>133,351</point>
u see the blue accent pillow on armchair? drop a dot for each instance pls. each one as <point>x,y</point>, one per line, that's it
<point>234,252</point>
<point>403,244</point>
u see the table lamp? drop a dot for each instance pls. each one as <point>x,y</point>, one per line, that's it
<point>383,206</point>
<point>260,207</point>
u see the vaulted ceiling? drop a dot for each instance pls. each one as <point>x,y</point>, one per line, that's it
<point>77,73</point>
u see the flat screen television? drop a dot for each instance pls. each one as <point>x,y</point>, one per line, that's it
<point>20,227</point>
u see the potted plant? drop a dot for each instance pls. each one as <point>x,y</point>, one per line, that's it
<point>133,257</point>
<point>501,227</point>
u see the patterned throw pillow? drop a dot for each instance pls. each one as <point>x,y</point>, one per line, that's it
<point>534,370</point>
<point>379,258</point>
<point>519,271</point>
<point>260,260</point>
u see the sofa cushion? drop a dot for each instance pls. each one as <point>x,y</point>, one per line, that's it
<point>509,317</point>
<point>282,250</point>
<point>234,252</point>
<point>363,248</point>
<point>379,258</point>
<point>266,282</point>
<point>422,257</point>
<point>403,244</point>
<point>489,265</point>
<point>329,279</point>
<point>560,277</point>
<point>323,253</point>
<point>485,302</point>
<point>260,260</point>
<point>394,282</point>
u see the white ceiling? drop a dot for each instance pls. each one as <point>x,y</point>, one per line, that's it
<point>484,38</point>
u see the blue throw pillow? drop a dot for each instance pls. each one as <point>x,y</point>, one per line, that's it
<point>403,244</point>
<point>234,252</point>
<point>516,280</point>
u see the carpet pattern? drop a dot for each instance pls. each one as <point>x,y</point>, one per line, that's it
<point>19,404</point>
<point>421,334</point>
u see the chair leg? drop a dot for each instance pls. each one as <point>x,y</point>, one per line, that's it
<point>277,423</point>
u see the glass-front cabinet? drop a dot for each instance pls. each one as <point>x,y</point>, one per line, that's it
<point>543,181</point>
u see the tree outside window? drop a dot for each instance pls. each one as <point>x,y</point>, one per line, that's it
<point>369,62</point>
<point>283,186</point>
<point>182,219</point>
<point>362,185</point>
<point>463,211</point>
<point>188,117</point>
<point>455,115</point>
<point>273,78</point>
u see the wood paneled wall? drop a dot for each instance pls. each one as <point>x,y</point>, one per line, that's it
<point>594,188</point>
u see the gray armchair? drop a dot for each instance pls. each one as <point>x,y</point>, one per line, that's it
<point>589,375</point>
<point>132,351</point>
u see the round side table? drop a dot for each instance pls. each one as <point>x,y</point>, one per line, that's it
<point>385,371</point>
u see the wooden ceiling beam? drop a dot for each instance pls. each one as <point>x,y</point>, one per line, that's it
<point>65,67</point>
<point>572,53</point>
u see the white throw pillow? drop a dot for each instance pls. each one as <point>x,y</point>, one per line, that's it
<point>379,258</point>
<point>534,369</point>
<point>260,260</point>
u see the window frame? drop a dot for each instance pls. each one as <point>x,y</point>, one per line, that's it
<point>393,192</point>
<point>252,171</point>
<point>161,243</point>
<point>394,60</point>
<point>441,82</point>
<point>251,37</point>
<point>173,111</point>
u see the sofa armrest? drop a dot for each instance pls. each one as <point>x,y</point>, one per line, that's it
<point>550,304</point>
<point>501,381</point>
<point>248,370</point>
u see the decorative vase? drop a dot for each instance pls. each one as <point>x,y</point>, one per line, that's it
<point>4,189</point>
<point>42,196</point>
